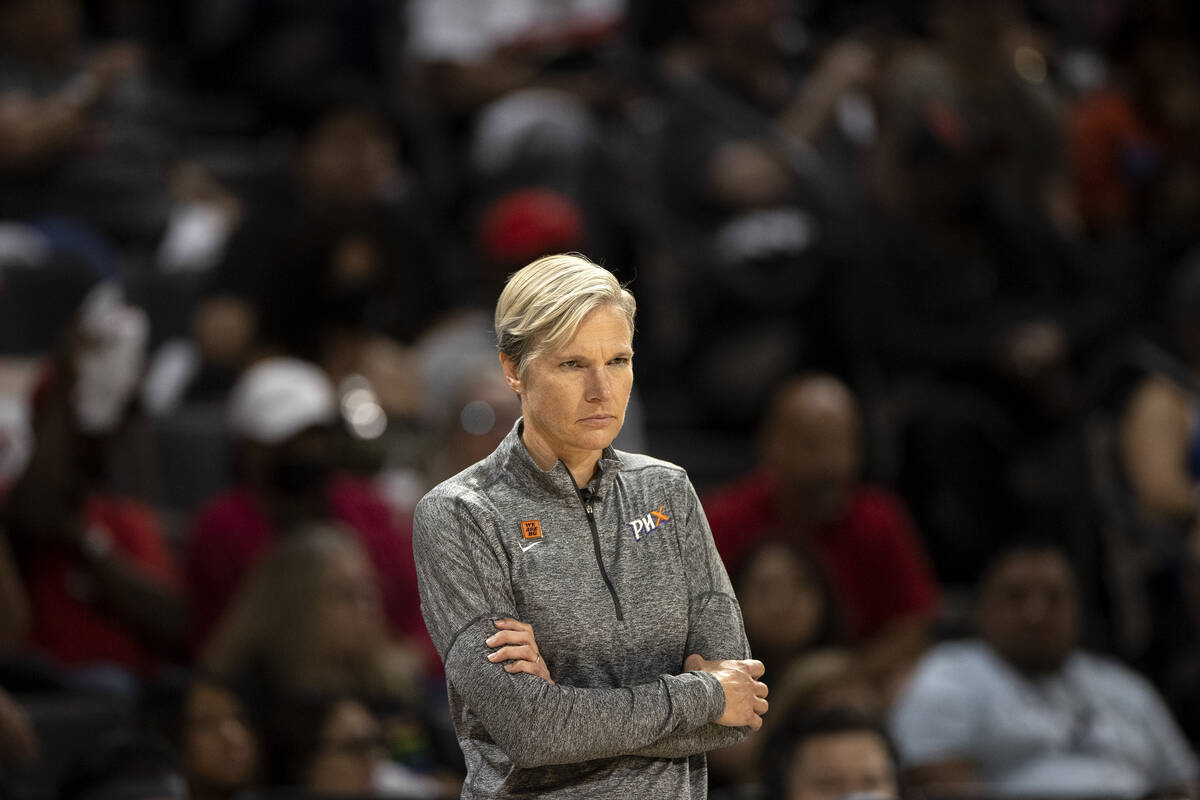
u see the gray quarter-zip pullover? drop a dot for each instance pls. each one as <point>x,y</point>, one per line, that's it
<point>621,582</point>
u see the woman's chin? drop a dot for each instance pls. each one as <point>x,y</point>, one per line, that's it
<point>598,438</point>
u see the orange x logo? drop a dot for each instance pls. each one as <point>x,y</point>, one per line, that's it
<point>659,515</point>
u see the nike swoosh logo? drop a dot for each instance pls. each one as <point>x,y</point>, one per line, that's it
<point>527,547</point>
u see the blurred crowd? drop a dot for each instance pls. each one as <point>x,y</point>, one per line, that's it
<point>919,289</point>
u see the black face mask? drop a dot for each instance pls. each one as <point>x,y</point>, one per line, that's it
<point>300,476</point>
<point>351,306</point>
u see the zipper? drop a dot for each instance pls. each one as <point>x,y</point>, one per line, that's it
<point>585,496</point>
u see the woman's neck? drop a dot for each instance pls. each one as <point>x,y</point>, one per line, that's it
<point>580,463</point>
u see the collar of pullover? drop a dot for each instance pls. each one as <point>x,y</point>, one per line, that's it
<point>557,481</point>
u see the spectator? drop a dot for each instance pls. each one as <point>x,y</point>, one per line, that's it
<point>1156,471</point>
<point>346,183</point>
<point>794,627</point>
<point>1158,435</point>
<point>283,414</point>
<point>354,295</point>
<point>1134,161</point>
<point>829,755</point>
<point>520,97</point>
<point>310,619</point>
<point>126,764</point>
<point>477,53</point>
<point>961,287</point>
<point>208,722</point>
<point>786,604</point>
<point>289,60</point>
<point>329,746</point>
<point>808,487</point>
<point>1021,710</point>
<point>758,210</point>
<point>103,588</point>
<point>76,135</point>
<point>309,622</point>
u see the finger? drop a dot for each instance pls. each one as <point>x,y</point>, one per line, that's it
<point>693,663</point>
<point>510,624</point>
<point>528,667</point>
<point>760,706</point>
<point>508,637</point>
<point>755,722</point>
<point>754,667</point>
<point>761,689</point>
<point>513,653</point>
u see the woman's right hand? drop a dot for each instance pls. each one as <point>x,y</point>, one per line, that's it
<point>745,695</point>
<point>516,644</point>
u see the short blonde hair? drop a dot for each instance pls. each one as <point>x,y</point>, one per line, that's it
<point>544,302</point>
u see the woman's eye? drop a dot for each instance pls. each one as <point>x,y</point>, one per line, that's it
<point>569,364</point>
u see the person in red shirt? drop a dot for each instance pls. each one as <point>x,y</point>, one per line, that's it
<point>808,488</point>
<point>104,595</point>
<point>283,412</point>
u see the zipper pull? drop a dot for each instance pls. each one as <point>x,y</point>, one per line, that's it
<point>586,496</point>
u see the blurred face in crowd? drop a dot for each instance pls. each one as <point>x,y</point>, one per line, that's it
<point>47,30</point>
<point>348,159</point>
<point>220,748</point>
<point>573,398</point>
<point>350,752</point>
<point>352,282</point>
<point>740,23</point>
<point>1029,610</point>
<point>348,621</point>
<point>487,410</point>
<point>812,446</point>
<point>835,765</point>
<point>299,467</point>
<point>781,599</point>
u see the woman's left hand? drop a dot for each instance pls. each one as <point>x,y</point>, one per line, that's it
<point>517,645</point>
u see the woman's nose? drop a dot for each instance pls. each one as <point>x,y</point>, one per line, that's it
<point>599,385</point>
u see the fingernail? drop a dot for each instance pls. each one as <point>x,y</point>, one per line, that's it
<point>488,641</point>
<point>492,656</point>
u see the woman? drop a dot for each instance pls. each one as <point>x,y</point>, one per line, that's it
<point>208,722</point>
<point>310,619</point>
<point>606,556</point>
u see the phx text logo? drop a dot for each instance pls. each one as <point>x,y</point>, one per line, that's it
<point>643,525</point>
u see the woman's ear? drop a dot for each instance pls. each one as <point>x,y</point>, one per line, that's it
<point>512,376</point>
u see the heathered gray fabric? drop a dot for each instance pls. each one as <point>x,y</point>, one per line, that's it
<point>621,721</point>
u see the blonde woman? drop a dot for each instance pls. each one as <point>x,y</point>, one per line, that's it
<point>592,643</point>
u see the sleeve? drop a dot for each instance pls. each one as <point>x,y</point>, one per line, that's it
<point>142,539</point>
<point>911,587</point>
<point>1175,765</point>
<point>931,721</point>
<point>211,575</point>
<point>464,584</point>
<point>715,629</point>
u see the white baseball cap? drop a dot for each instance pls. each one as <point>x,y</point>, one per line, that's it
<point>278,398</point>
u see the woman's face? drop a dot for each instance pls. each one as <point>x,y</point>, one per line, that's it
<point>349,614</point>
<point>221,749</point>
<point>573,398</point>
<point>781,600</point>
<point>351,750</point>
